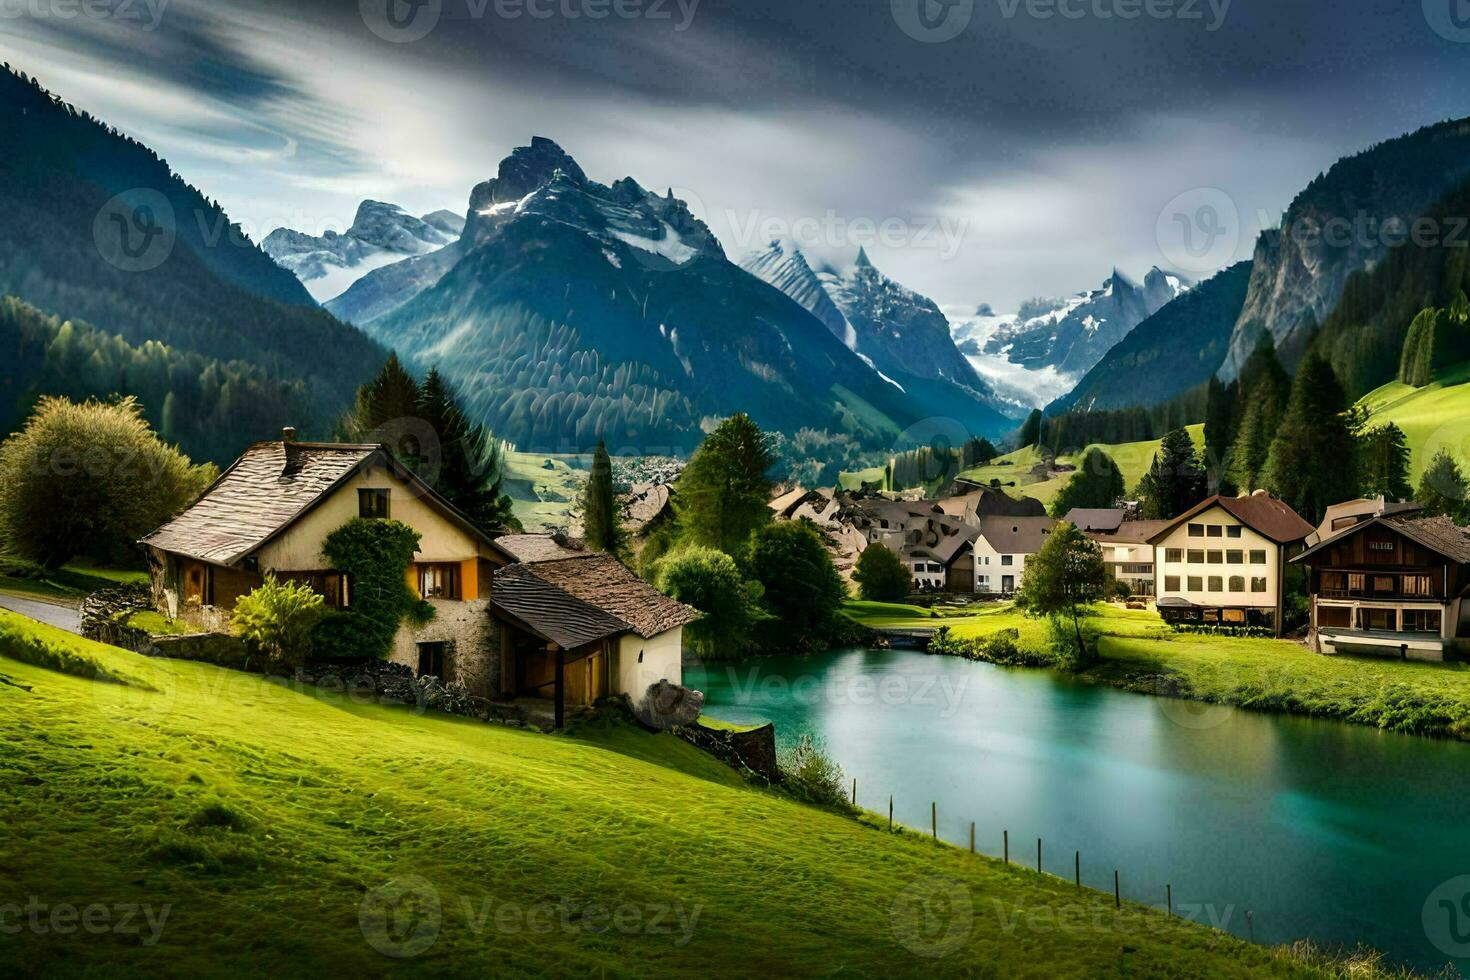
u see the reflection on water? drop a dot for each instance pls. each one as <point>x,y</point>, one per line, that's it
<point>1326,831</point>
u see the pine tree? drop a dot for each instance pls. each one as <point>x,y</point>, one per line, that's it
<point>720,499</point>
<point>1385,463</point>
<point>1443,491</point>
<point>467,468</point>
<point>1031,430</point>
<point>1219,409</point>
<point>600,513</point>
<point>1175,481</point>
<point>1313,459</point>
<point>384,404</point>
<point>1265,388</point>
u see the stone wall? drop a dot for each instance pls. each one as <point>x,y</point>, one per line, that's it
<point>752,752</point>
<point>472,642</point>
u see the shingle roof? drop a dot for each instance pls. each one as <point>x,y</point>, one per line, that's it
<point>1260,512</point>
<point>586,599</point>
<point>1437,534</point>
<point>1105,520</point>
<point>1016,535</point>
<point>532,548</point>
<point>266,489</point>
<point>1131,532</point>
<point>557,616</point>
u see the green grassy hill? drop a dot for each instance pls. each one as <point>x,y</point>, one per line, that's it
<point>269,822</point>
<point>1133,459</point>
<point>1434,417</point>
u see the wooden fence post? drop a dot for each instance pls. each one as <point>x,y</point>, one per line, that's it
<point>934,819</point>
<point>1006,839</point>
<point>890,814</point>
<point>972,837</point>
<point>1169,890</point>
<point>1078,860</point>
<point>854,791</point>
<point>1038,855</point>
<point>1117,892</point>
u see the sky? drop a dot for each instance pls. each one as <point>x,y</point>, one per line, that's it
<point>982,151</point>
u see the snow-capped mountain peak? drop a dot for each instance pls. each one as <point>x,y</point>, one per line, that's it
<point>381,234</point>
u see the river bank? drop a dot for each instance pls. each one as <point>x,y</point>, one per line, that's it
<point>1272,827</point>
<point>1140,653</point>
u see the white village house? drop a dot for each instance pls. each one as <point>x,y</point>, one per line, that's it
<point>1224,561</point>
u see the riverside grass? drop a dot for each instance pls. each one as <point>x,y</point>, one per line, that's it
<point>262,817</point>
<point>1139,652</point>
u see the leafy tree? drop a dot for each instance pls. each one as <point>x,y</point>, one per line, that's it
<point>1175,481</point>
<point>600,513</point>
<point>1065,575</point>
<point>1031,430</point>
<point>1384,452</point>
<point>1097,483</point>
<point>90,479</point>
<point>376,556</point>
<point>1443,490</point>
<point>721,497</point>
<point>1313,459</point>
<point>802,587</point>
<point>278,618</point>
<point>709,581</point>
<point>881,575</point>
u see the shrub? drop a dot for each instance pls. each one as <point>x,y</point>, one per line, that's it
<point>1002,647</point>
<point>90,479</point>
<point>277,620</point>
<point>1069,650</point>
<point>811,775</point>
<point>709,581</point>
<point>881,575</point>
<point>375,555</point>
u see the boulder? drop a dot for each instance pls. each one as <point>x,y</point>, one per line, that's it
<point>665,706</point>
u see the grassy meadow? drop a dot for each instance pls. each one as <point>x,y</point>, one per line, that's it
<point>1434,417</point>
<point>253,828</point>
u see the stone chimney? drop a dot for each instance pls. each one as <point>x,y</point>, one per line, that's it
<point>288,434</point>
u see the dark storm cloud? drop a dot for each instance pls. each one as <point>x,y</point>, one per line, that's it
<point>1054,130</point>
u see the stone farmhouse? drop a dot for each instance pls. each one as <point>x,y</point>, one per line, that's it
<point>523,616</point>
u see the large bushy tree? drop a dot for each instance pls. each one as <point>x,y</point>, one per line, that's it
<point>1314,457</point>
<point>1030,434</point>
<point>721,497</point>
<point>881,575</point>
<point>1176,479</point>
<point>1443,490</point>
<point>802,588</point>
<point>601,518</point>
<point>90,479</point>
<point>1097,483</point>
